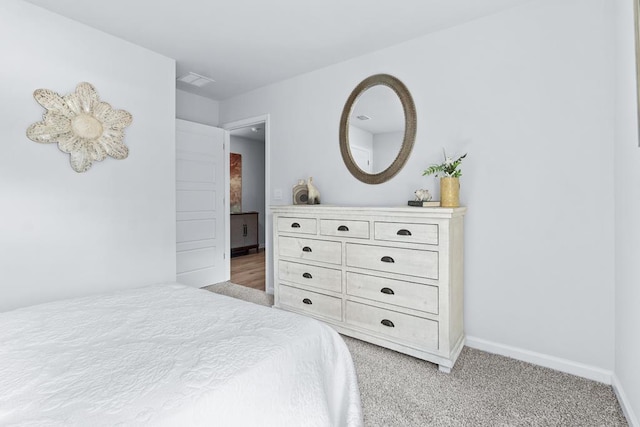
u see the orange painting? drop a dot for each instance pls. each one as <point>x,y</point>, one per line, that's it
<point>235,183</point>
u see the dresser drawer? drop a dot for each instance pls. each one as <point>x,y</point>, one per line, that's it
<point>397,292</point>
<point>423,332</point>
<point>310,249</point>
<point>311,302</point>
<point>297,225</point>
<point>406,232</point>
<point>342,228</point>
<point>412,262</point>
<point>318,277</point>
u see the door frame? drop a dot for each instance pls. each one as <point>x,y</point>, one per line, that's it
<point>251,121</point>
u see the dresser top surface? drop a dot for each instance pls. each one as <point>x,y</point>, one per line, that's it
<point>369,210</point>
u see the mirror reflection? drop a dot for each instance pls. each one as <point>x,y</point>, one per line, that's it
<point>376,129</point>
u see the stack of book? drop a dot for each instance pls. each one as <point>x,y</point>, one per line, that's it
<point>424,204</point>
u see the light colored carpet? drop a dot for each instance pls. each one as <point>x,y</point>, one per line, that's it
<point>483,389</point>
<point>241,292</point>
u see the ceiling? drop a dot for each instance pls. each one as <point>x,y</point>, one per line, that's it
<point>253,132</point>
<point>381,110</point>
<point>247,44</point>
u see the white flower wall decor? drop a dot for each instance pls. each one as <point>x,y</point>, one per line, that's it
<point>86,128</point>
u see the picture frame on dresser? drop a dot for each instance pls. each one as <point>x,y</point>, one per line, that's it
<point>389,276</point>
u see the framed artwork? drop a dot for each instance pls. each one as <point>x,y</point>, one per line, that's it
<point>235,182</point>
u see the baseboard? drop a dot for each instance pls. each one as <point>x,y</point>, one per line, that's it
<point>552,362</point>
<point>624,402</point>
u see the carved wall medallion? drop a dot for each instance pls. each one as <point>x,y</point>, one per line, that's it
<point>86,128</point>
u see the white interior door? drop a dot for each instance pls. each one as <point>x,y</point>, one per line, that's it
<point>200,205</point>
<point>362,157</point>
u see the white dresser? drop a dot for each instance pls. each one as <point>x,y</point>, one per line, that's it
<point>389,276</point>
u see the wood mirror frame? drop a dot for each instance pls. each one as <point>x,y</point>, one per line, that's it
<point>409,128</point>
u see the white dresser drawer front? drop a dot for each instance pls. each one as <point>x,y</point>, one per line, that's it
<point>310,275</point>
<point>311,302</point>
<point>344,228</point>
<point>397,292</point>
<point>412,262</point>
<point>406,232</point>
<point>423,332</point>
<point>297,225</point>
<point>310,249</point>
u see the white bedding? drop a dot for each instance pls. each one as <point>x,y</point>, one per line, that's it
<point>172,355</point>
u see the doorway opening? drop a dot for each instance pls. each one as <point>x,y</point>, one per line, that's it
<point>247,203</point>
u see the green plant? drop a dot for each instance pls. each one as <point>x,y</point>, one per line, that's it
<point>448,168</point>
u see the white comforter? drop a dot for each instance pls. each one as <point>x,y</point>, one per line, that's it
<point>172,355</point>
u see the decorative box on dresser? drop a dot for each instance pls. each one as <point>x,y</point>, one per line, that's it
<point>389,276</point>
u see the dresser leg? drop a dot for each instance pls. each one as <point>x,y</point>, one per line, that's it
<point>444,369</point>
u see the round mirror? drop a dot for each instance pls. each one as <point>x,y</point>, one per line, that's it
<point>377,129</point>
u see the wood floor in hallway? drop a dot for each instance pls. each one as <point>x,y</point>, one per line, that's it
<point>248,270</point>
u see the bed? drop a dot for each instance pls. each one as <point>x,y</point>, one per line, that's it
<point>172,355</point>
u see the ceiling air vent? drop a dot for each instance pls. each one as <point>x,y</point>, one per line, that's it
<point>363,117</point>
<point>195,79</point>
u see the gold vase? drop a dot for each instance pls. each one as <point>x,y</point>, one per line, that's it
<point>449,192</point>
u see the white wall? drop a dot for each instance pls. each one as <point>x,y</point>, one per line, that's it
<point>252,178</point>
<point>360,138</point>
<point>529,94</point>
<point>62,233</point>
<point>196,108</point>
<point>627,182</point>
<point>387,146</point>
